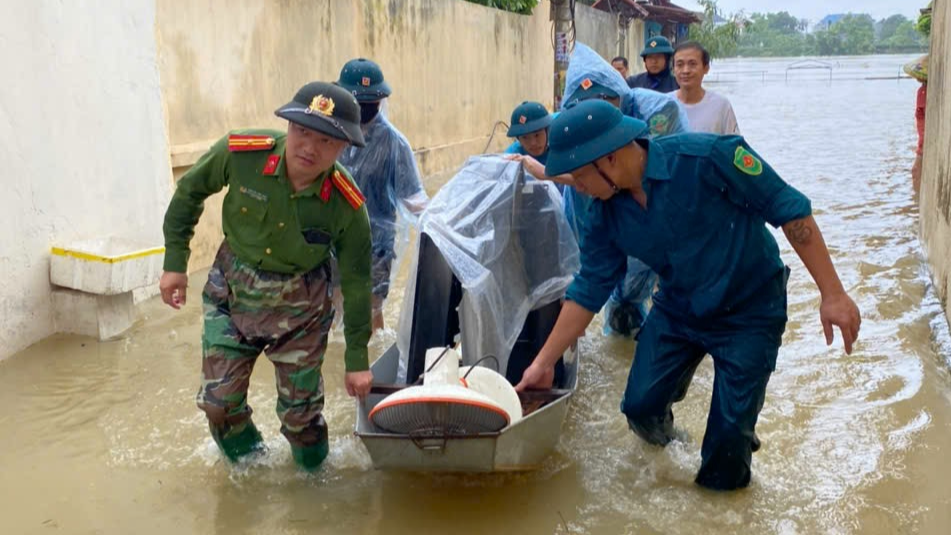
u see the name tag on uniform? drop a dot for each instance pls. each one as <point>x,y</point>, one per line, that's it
<point>256,195</point>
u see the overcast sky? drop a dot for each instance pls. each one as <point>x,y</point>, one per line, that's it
<point>814,10</point>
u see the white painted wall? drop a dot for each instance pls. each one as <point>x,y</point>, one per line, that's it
<point>83,143</point>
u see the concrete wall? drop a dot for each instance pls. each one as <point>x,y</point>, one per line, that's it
<point>455,68</point>
<point>599,30</point>
<point>82,132</point>
<point>936,174</point>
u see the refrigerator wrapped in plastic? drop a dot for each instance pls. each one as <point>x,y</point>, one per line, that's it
<point>510,251</point>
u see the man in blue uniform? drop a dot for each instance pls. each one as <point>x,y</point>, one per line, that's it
<point>529,127</point>
<point>590,77</point>
<point>530,122</point>
<point>657,56</point>
<point>385,171</point>
<point>693,207</point>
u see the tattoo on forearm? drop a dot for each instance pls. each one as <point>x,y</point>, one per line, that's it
<point>798,232</point>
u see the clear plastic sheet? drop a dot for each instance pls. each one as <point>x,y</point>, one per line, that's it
<point>386,173</point>
<point>505,237</point>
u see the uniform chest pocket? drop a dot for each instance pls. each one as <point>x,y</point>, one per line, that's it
<point>250,204</point>
<point>246,215</point>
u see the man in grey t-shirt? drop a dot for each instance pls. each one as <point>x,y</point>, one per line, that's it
<point>707,111</point>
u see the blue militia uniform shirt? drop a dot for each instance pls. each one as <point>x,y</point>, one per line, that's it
<point>703,232</point>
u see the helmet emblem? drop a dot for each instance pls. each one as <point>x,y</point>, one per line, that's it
<point>322,105</point>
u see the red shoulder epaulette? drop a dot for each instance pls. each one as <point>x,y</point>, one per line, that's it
<point>243,143</point>
<point>349,191</point>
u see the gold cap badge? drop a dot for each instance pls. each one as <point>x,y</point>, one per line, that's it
<point>322,105</point>
<point>653,44</point>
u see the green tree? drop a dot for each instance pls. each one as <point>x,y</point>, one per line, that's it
<point>859,34</point>
<point>783,22</point>
<point>906,37</point>
<point>851,35</point>
<point>523,7</point>
<point>720,41</point>
<point>887,27</point>
<point>828,43</point>
<point>774,34</point>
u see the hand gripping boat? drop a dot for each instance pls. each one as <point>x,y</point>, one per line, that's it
<point>494,257</point>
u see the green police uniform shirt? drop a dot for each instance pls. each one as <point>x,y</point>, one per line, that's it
<point>270,226</point>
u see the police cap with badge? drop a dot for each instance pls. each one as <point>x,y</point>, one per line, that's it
<point>325,108</point>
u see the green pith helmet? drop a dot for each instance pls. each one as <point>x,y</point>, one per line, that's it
<point>588,90</point>
<point>588,131</point>
<point>657,45</point>
<point>364,79</point>
<point>326,108</point>
<point>528,117</point>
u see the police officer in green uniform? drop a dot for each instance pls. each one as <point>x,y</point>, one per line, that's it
<point>694,208</point>
<point>289,207</point>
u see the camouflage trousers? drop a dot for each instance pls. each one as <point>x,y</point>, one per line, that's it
<point>288,317</point>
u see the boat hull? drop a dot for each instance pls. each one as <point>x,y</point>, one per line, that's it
<point>519,447</point>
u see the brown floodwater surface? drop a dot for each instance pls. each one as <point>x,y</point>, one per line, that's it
<point>106,438</point>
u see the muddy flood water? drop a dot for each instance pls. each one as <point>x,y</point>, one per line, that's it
<point>106,438</point>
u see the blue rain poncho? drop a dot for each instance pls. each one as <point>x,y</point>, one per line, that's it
<point>662,112</point>
<point>628,305</point>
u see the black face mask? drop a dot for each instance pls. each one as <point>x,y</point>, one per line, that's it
<point>368,111</point>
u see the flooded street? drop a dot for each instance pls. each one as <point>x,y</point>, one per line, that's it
<point>106,438</point>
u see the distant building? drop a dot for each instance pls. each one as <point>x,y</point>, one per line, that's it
<point>828,21</point>
<point>661,17</point>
